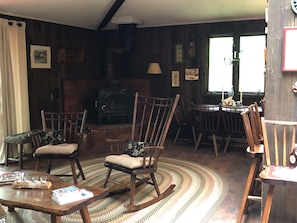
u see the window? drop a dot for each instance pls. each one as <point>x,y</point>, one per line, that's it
<point>237,62</point>
<point>252,63</point>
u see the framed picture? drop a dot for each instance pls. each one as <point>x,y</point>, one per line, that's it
<point>40,56</point>
<point>191,74</point>
<point>175,78</point>
<point>289,49</point>
<point>192,49</point>
<point>178,53</point>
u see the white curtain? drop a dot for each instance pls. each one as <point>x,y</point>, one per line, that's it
<point>14,99</point>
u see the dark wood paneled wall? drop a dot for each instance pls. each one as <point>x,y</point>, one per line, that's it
<point>45,85</point>
<point>121,54</point>
<point>157,44</point>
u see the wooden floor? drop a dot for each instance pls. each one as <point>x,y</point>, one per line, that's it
<point>234,166</point>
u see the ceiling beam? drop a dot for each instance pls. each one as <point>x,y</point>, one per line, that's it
<point>114,8</point>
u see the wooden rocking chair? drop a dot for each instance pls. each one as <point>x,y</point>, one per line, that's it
<point>151,120</point>
<point>60,139</point>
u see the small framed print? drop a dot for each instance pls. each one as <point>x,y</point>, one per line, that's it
<point>191,74</point>
<point>178,53</point>
<point>40,56</point>
<point>289,49</point>
<point>175,78</point>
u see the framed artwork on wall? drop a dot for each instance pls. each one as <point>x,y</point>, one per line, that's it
<point>289,49</point>
<point>192,49</point>
<point>191,74</point>
<point>175,78</point>
<point>178,53</point>
<point>40,56</point>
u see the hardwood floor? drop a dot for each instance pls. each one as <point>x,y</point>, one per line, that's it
<point>234,166</point>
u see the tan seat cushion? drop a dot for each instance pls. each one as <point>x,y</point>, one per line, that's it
<point>64,149</point>
<point>126,161</point>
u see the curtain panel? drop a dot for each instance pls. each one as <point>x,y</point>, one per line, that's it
<point>14,98</point>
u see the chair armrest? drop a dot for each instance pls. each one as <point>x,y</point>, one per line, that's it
<point>152,155</point>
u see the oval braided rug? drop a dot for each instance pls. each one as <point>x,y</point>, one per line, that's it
<point>199,191</point>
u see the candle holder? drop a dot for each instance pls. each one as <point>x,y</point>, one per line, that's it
<point>239,103</point>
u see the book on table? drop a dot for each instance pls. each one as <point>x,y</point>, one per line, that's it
<point>8,177</point>
<point>70,194</point>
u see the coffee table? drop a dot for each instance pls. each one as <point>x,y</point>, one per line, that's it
<point>40,200</point>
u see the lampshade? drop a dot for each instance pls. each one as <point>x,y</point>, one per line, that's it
<point>154,68</point>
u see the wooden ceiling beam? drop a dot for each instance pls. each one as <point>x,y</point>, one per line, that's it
<point>114,8</point>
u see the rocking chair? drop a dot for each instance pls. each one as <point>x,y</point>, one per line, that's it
<point>151,121</point>
<point>60,139</point>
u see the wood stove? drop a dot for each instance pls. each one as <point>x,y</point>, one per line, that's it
<point>114,105</point>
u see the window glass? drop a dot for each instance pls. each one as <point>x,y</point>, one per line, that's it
<point>220,63</point>
<point>223,57</point>
<point>252,63</point>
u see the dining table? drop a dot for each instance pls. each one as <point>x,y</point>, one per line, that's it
<point>230,123</point>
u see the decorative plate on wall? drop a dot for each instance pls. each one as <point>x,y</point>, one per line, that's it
<point>294,5</point>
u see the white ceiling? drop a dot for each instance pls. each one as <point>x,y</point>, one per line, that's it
<point>90,13</point>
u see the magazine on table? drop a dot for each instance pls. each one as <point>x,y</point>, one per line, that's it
<point>65,191</point>
<point>8,177</point>
<point>70,194</point>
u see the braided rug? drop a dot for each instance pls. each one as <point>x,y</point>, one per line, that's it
<point>198,192</point>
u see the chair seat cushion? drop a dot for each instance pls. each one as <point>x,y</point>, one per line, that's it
<point>127,161</point>
<point>63,149</point>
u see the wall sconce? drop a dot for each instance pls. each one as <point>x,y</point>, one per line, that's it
<point>154,68</point>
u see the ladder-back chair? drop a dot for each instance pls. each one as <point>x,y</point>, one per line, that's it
<point>256,122</point>
<point>207,122</point>
<point>151,121</point>
<point>255,149</point>
<point>279,141</point>
<point>61,139</point>
<point>233,125</point>
<point>184,123</point>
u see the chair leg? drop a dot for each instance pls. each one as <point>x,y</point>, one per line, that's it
<point>21,154</point>
<point>254,169</point>
<point>215,144</point>
<point>198,142</point>
<point>37,165</point>
<point>107,177</point>
<point>176,136</point>
<point>226,145</point>
<point>268,203</point>
<point>194,134</point>
<point>73,171</point>
<point>155,183</point>
<point>49,166</point>
<point>132,188</point>
<point>81,172</point>
<point>6,153</point>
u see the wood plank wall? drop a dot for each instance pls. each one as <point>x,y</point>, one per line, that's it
<point>280,102</point>
<point>105,56</point>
